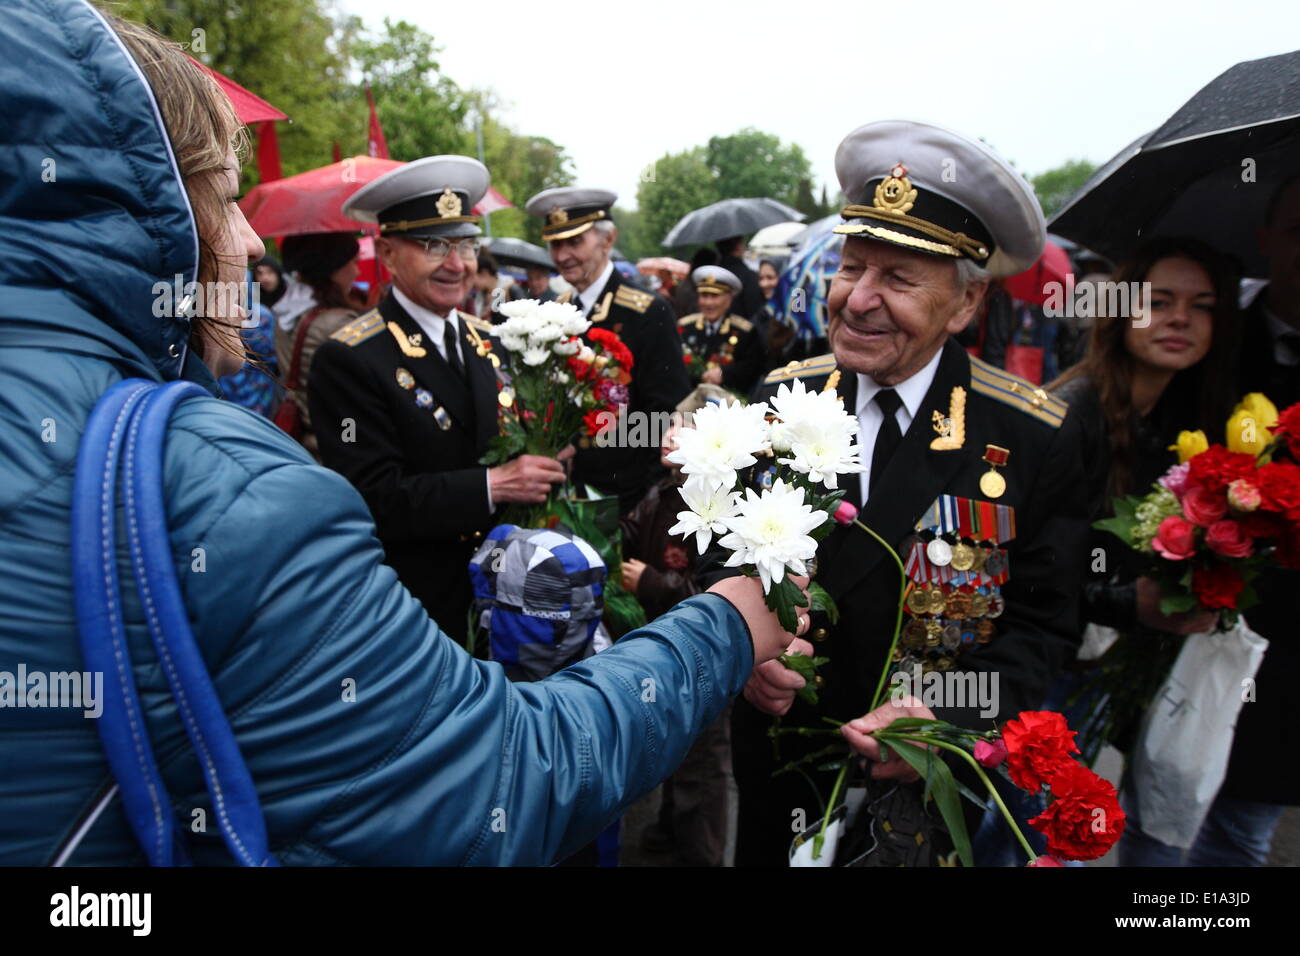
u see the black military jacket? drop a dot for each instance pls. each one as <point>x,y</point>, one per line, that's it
<point>645,323</point>
<point>398,423</point>
<point>734,346</point>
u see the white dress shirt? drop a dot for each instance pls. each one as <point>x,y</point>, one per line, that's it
<point>589,295</point>
<point>911,392</point>
<point>435,327</point>
<point>433,324</point>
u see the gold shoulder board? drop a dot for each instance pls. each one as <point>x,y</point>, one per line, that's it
<point>361,328</point>
<point>808,368</point>
<point>633,299</point>
<point>741,323</point>
<point>483,326</point>
<point>1002,386</point>
<point>688,319</point>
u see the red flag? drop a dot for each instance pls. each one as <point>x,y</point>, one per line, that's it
<point>377,146</point>
<point>338,153</point>
<point>268,152</point>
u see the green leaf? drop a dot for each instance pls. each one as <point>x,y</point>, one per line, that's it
<point>820,600</point>
<point>1176,603</point>
<point>940,781</point>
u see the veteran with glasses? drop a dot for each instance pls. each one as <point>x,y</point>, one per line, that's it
<point>404,397</point>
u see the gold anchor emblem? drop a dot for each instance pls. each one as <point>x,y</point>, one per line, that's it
<point>951,427</point>
<point>559,217</point>
<point>895,193</point>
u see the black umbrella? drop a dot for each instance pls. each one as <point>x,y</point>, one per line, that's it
<point>1208,172</point>
<point>515,252</point>
<point>727,218</point>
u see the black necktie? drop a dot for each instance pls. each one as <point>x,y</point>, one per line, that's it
<point>453,353</point>
<point>888,438</point>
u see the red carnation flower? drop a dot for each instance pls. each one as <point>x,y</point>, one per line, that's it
<point>596,420</point>
<point>1288,427</point>
<point>1217,585</point>
<point>1279,488</point>
<point>1084,819</point>
<point>1216,467</point>
<point>1038,743</point>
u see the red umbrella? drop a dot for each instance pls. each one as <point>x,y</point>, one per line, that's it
<point>249,107</point>
<point>1034,284</point>
<point>313,201</point>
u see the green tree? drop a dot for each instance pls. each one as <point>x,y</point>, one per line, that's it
<point>633,240</point>
<point>1054,186</point>
<point>291,53</point>
<point>753,163</point>
<point>673,186</point>
<point>422,111</point>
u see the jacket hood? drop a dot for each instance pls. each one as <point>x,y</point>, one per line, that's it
<point>93,209</point>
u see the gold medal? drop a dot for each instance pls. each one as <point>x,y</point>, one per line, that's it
<point>984,629</point>
<point>992,484</point>
<point>918,601</point>
<point>405,379</point>
<point>979,605</point>
<point>914,634</point>
<point>958,604</point>
<point>963,557</point>
<point>933,631</point>
<point>938,601</point>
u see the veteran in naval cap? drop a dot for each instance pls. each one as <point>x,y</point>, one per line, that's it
<point>720,347</point>
<point>971,474</point>
<point>404,398</point>
<point>578,225</point>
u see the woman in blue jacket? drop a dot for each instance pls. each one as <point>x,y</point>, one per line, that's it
<point>371,738</point>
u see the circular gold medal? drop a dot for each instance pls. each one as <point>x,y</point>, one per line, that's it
<point>992,484</point>
<point>933,630</point>
<point>914,634</point>
<point>938,601</point>
<point>979,605</point>
<point>984,629</point>
<point>958,604</point>
<point>963,557</point>
<point>918,601</point>
<point>980,557</point>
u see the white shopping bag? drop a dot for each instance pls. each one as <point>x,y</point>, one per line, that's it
<point>1186,736</point>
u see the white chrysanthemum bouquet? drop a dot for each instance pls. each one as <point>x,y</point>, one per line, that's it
<point>772,533</point>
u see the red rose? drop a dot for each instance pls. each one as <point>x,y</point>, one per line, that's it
<point>1229,538</point>
<point>1175,538</point>
<point>1084,819</point>
<point>1038,742</point>
<point>1204,507</point>
<point>1279,488</point>
<point>1046,860</point>
<point>990,753</point>
<point>1217,585</point>
<point>1216,467</point>
<point>1288,427</point>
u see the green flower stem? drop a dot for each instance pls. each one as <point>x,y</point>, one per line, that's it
<point>988,784</point>
<point>898,620</point>
<point>820,838</point>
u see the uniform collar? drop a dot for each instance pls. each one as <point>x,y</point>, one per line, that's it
<point>589,295</point>
<point>912,390</point>
<point>431,322</point>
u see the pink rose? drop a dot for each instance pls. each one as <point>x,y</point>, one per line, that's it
<point>1243,496</point>
<point>1046,860</point>
<point>990,754</point>
<point>1175,479</point>
<point>1229,539</point>
<point>1203,507</point>
<point>1175,538</point>
<point>845,512</point>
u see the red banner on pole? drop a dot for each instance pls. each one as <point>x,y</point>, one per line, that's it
<point>268,152</point>
<point>376,145</point>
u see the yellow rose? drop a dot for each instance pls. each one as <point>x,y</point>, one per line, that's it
<point>1246,433</point>
<point>1261,409</point>
<point>1189,444</point>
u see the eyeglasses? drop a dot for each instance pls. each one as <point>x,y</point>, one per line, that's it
<point>437,248</point>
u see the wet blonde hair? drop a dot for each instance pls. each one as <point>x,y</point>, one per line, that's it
<point>202,126</point>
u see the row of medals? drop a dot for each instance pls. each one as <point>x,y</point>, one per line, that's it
<point>944,619</point>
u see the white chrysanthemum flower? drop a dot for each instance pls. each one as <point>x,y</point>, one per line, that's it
<point>771,532</point>
<point>800,410</point>
<point>546,332</point>
<point>725,438</point>
<point>824,453</point>
<point>567,348</point>
<point>710,507</point>
<point>519,309</point>
<point>512,342</point>
<point>536,356</point>
<point>782,436</point>
<point>566,316</point>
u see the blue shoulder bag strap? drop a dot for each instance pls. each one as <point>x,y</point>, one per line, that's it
<point>132,417</point>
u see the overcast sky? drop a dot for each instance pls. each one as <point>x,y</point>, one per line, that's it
<point>620,83</point>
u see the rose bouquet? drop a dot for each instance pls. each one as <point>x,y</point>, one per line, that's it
<point>555,387</point>
<point>1221,515</point>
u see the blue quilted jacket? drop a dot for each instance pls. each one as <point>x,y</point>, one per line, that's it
<point>439,759</point>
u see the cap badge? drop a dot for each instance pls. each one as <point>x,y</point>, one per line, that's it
<point>895,193</point>
<point>449,204</point>
<point>558,218</point>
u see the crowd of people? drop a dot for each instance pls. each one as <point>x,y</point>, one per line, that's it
<point>338,520</point>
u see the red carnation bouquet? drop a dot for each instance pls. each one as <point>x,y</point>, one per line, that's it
<point>1222,514</point>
